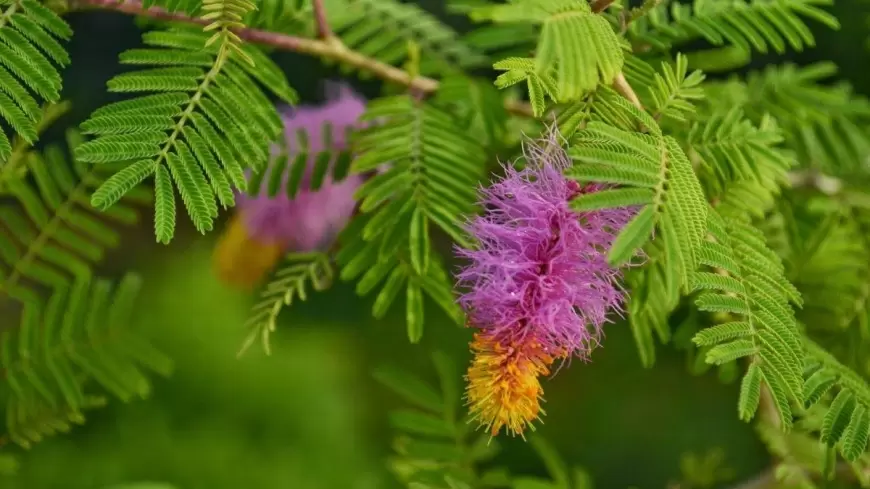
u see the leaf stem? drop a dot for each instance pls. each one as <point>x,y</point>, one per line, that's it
<point>621,85</point>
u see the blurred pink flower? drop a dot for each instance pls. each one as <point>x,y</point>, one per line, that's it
<point>264,228</point>
<point>310,220</point>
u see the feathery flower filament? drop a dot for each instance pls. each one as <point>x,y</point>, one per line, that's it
<point>503,386</point>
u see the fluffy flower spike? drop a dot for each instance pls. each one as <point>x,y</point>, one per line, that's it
<point>538,285</point>
<point>503,386</point>
<point>311,219</point>
<point>264,228</point>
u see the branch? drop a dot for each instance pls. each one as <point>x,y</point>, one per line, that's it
<point>323,29</point>
<point>328,49</point>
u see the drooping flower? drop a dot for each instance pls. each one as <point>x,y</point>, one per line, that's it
<point>264,228</point>
<point>539,286</point>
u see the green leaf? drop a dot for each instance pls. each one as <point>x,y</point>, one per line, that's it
<point>414,313</point>
<point>192,126</point>
<point>421,423</point>
<point>409,387</point>
<point>608,199</point>
<point>632,236</point>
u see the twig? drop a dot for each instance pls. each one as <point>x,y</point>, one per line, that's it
<point>329,49</point>
<point>323,29</point>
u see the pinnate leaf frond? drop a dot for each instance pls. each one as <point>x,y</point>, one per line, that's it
<point>382,30</point>
<point>753,25</point>
<point>289,282</point>
<point>671,199</point>
<point>50,233</point>
<point>81,333</point>
<point>746,282</point>
<point>29,421</point>
<point>576,47</point>
<point>846,424</point>
<point>30,58</point>
<point>741,165</point>
<point>188,130</point>
<point>825,125</point>
<point>427,170</point>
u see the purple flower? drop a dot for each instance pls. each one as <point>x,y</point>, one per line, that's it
<point>264,228</point>
<point>540,273</point>
<point>310,220</point>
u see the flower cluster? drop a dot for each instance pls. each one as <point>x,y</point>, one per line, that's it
<point>539,287</point>
<point>264,228</point>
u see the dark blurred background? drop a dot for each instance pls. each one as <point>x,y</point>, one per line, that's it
<point>310,416</point>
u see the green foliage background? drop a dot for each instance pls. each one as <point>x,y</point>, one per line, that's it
<point>310,416</point>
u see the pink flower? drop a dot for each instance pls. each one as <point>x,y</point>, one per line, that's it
<point>265,228</point>
<point>310,220</point>
<point>540,273</point>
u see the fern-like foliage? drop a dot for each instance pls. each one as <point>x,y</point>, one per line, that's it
<point>748,289</point>
<point>540,86</point>
<point>429,172</point>
<point>825,125</point>
<point>671,93</point>
<point>655,294</point>
<point>290,281</point>
<point>498,40</point>
<point>576,47</point>
<point>478,106</point>
<point>688,322</point>
<point>386,258</point>
<point>846,424</point>
<point>51,237</point>
<point>653,173</point>
<point>287,16</point>
<point>16,167</point>
<point>825,251</point>
<point>29,421</point>
<point>382,29</point>
<point>30,56</point>
<point>730,150</point>
<point>434,448</point>
<point>648,168</point>
<point>286,171</point>
<point>80,337</point>
<point>58,235</point>
<point>754,25</point>
<point>189,131</point>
